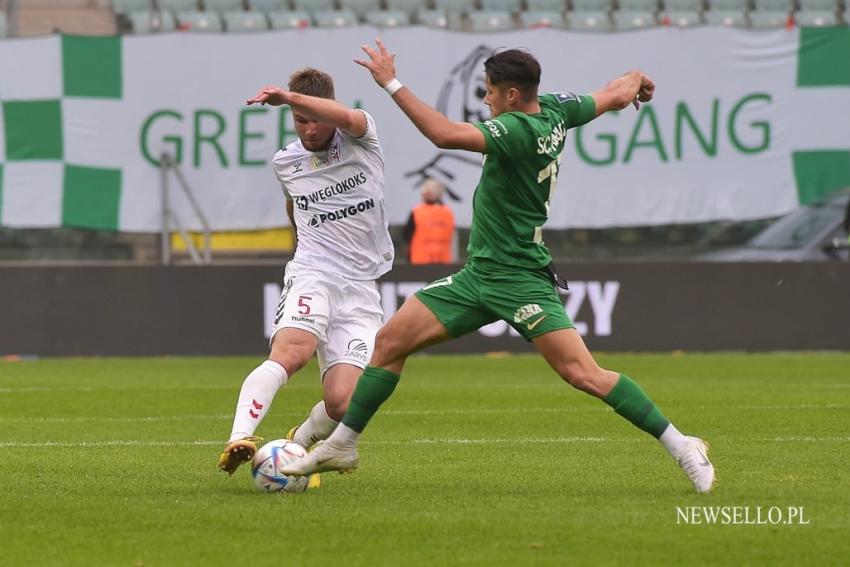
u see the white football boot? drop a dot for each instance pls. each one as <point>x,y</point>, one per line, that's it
<point>324,456</point>
<point>694,461</point>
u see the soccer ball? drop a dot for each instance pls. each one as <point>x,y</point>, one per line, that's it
<point>268,461</point>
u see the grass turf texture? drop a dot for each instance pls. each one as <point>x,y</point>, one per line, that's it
<point>479,461</point>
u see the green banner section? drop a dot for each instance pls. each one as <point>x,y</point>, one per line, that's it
<point>33,130</point>
<point>818,172</point>
<point>91,197</point>
<point>91,66</point>
<point>824,57</point>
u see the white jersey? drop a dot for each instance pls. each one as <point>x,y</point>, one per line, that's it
<point>339,204</point>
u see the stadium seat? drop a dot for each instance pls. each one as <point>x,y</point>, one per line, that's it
<point>730,18</point>
<point>682,13</point>
<point>147,21</point>
<point>335,18</point>
<point>388,18</point>
<point>770,13</point>
<point>818,13</point>
<point>290,20</point>
<point>490,20</point>
<point>512,6</point>
<point>683,5</point>
<point>773,5</point>
<point>410,7</point>
<point>179,5</point>
<point>360,7</point>
<point>761,19</point>
<point>222,6</point>
<point>433,18</point>
<point>127,7</point>
<point>819,5</point>
<point>729,5</point>
<point>267,6</point>
<point>546,5</point>
<point>639,6</point>
<point>245,21</point>
<point>589,15</point>
<point>635,14</point>
<point>541,19</point>
<point>313,6</point>
<point>812,19</point>
<point>731,13</point>
<point>200,21</point>
<point>633,19</point>
<point>588,21</point>
<point>684,19</point>
<point>591,5</point>
<point>455,5</point>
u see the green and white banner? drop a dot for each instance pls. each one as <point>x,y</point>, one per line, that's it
<point>746,124</point>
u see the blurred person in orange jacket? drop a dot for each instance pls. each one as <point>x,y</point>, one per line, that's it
<point>430,227</point>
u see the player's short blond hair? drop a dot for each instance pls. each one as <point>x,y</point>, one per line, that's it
<point>312,82</point>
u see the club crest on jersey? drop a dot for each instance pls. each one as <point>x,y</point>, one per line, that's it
<point>527,311</point>
<point>564,97</point>
<point>332,156</point>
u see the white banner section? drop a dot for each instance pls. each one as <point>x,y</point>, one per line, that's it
<point>718,142</point>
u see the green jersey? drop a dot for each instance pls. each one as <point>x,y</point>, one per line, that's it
<point>511,201</point>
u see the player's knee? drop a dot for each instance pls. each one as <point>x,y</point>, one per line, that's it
<point>388,349</point>
<point>580,376</point>
<point>292,358</point>
<point>336,406</point>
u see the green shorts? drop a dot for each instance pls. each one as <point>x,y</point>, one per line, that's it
<point>525,299</point>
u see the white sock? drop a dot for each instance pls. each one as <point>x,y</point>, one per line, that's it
<point>343,436</point>
<point>255,398</point>
<point>673,440</point>
<point>316,427</point>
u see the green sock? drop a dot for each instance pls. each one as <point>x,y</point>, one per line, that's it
<point>630,401</point>
<point>373,389</point>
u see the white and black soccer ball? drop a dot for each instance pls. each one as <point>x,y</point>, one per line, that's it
<point>268,461</point>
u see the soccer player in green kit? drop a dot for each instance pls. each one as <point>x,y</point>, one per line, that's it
<point>507,275</point>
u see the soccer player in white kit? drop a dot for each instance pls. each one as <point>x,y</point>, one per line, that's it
<point>333,180</point>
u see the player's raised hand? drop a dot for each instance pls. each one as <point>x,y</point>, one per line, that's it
<point>645,91</point>
<point>272,95</point>
<point>381,63</point>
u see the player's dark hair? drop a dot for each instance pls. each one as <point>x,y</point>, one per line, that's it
<point>312,82</point>
<point>514,68</point>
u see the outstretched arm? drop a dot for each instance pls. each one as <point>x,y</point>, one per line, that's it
<point>350,121</point>
<point>632,88</point>
<point>433,124</point>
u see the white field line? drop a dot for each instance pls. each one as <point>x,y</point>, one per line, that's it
<point>460,411</point>
<point>190,417</point>
<point>423,441</point>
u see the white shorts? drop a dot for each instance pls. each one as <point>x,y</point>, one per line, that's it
<point>344,315</point>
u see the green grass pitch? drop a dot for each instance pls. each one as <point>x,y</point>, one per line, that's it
<point>474,461</point>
